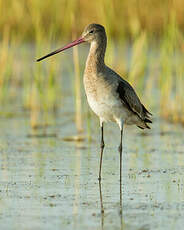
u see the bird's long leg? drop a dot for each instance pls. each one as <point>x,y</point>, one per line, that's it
<point>101,203</point>
<point>120,152</point>
<point>102,145</point>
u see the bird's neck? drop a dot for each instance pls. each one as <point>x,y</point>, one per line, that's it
<point>95,61</point>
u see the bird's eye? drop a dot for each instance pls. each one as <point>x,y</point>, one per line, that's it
<point>91,32</point>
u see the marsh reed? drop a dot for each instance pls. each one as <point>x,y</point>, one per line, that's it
<point>153,61</point>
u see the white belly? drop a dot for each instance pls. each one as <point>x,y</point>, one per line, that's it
<point>105,102</point>
<point>108,109</point>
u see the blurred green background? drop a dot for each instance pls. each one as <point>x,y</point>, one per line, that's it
<point>145,45</point>
<point>24,18</point>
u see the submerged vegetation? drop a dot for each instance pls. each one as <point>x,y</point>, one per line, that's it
<point>147,48</point>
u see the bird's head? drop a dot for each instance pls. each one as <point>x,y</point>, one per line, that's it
<point>93,32</point>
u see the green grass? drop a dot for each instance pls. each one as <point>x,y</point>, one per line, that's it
<point>154,63</point>
<point>121,18</point>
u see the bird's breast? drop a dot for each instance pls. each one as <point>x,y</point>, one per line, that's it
<point>100,97</point>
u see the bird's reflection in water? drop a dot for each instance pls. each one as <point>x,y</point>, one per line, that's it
<point>120,203</point>
<point>102,207</point>
<point>101,203</point>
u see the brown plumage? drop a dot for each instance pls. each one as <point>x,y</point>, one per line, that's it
<point>109,96</point>
<point>131,100</point>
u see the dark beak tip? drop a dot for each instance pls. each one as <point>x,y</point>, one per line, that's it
<point>74,43</point>
<point>39,59</point>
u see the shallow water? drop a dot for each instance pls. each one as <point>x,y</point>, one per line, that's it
<point>49,183</point>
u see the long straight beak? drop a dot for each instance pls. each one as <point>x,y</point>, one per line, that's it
<point>74,43</point>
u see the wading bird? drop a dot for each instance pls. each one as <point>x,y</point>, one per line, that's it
<point>109,96</point>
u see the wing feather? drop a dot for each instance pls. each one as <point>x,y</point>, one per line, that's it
<point>130,98</point>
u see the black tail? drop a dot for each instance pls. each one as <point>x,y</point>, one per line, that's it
<point>146,120</point>
<point>144,127</point>
<point>146,111</point>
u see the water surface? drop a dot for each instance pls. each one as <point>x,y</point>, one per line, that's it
<point>48,183</point>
